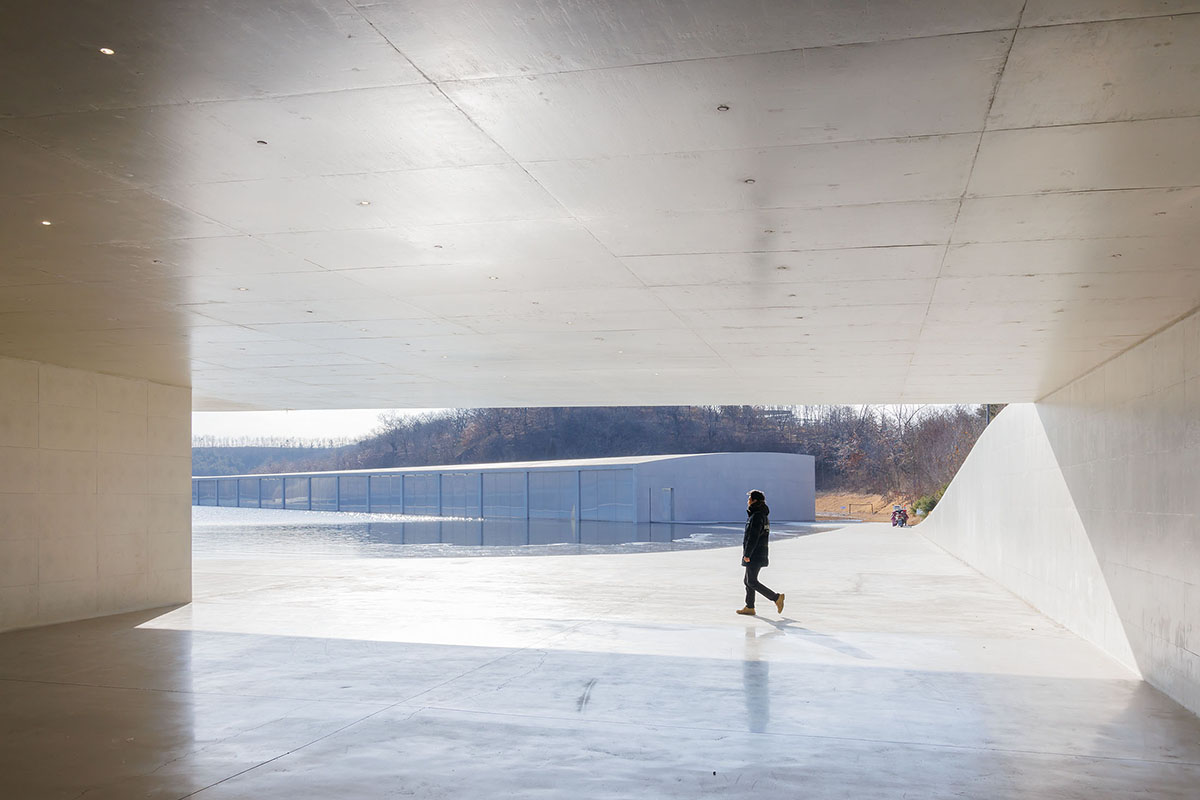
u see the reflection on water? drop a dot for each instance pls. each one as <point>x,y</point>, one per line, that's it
<point>239,532</point>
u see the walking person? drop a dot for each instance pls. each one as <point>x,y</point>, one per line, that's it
<point>754,551</point>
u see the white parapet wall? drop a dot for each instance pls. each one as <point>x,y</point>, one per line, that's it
<point>1085,505</point>
<point>95,513</point>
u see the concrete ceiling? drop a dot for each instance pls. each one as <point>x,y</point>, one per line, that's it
<point>323,203</point>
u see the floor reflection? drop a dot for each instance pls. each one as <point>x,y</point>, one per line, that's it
<point>756,682</point>
<point>228,532</point>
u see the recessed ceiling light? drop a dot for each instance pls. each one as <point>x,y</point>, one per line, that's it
<point>493,277</point>
<point>722,107</point>
<point>107,51</point>
<point>47,222</point>
<point>437,247</point>
<point>768,230</point>
<point>262,141</point>
<point>364,202</point>
<point>748,180</point>
<point>620,352</point>
<point>242,289</point>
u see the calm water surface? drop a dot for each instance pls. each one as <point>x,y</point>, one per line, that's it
<point>248,532</point>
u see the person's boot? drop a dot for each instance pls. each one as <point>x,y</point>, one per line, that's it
<point>747,610</point>
<point>779,602</point>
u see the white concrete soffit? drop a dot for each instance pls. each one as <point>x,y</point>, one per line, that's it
<point>322,203</point>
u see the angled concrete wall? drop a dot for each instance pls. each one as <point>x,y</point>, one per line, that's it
<point>1086,505</point>
<point>94,494</point>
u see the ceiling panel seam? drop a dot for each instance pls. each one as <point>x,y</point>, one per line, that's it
<point>566,211</point>
<point>210,102</point>
<point>727,57</point>
<point>775,252</point>
<point>1068,23</point>
<point>1166,187</point>
<point>68,159</point>
<point>990,128</point>
<point>355,174</point>
<point>966,185</point>
<point>917,137</point>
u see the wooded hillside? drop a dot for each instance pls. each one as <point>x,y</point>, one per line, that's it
<point>894,450</point>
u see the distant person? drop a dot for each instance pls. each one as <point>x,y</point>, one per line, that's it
<point>754,551</point>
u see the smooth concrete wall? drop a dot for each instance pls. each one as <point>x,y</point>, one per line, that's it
<point>95,513</point>
<point>712,487</point>
<point>1085,505</point>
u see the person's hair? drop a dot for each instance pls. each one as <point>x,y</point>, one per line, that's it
<point>757,495</point>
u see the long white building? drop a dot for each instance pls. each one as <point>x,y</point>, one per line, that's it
<point>708,487</point>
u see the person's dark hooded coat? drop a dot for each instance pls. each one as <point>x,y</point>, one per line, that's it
<point>758,530</point>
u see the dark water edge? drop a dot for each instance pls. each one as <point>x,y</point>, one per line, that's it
<point>242,533</point>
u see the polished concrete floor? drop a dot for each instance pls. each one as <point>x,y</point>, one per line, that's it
<point>893,672</point>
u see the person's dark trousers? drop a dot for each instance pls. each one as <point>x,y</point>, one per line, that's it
<point>752,586</point>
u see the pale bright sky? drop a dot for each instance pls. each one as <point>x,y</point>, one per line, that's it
<point>340,424</point>
<point>353,423</point>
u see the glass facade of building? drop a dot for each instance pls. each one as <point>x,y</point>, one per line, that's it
<point>295,493</point>
<point>270,492</point>
<point>581,493</point>
<point>553,495</point>
<point>324,493</point>
<point>460,494</point>
<point>381,494</point>
<point>227,492</point>
<point>422,494</point>
<point>606,494</point>
<point>504,495</point>
<point>352,493</point>
<point>248,492</point>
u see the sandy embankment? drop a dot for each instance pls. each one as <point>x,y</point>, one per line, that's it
<point>865,507</point>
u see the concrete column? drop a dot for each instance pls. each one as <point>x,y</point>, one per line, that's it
<point>95,496</point>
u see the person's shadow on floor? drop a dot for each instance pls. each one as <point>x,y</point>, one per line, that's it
<point>791,627</point>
